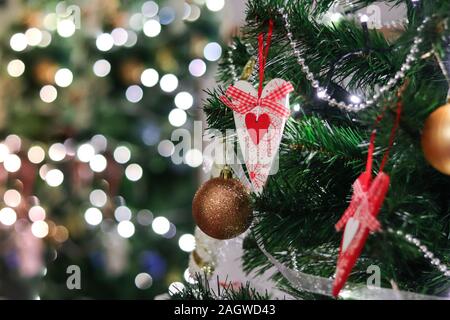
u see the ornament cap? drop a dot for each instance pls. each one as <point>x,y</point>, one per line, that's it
<point>226,172</point>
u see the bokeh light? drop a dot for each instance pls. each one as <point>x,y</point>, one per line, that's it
<point>125,229</point>
<point>101,68</point>
<point>197,67</point>
<point>122,154</point>
<point>39,229</point>
<point>104,42</point>
<point>177,117</point>
<point>212,51</point>
<point>160,225</point>
<point>143,281</point>
<point>184,100</point>
<point>168,83</point>
<point>36,213</point>
<point>36,154</point>
<point>149,77</point>
<point>12,198</point>
<point>48,93</point>
<point>12,163</point>
<point>152,28</point>
<point>15,68</point>
<point>133,172</point>
<point>54,177</point>
<point>63,77</point>
<point>134,93</point>
<point>8,216</point>
<point>187,242</point>
<point>98,198</point>
<point>93,216</point>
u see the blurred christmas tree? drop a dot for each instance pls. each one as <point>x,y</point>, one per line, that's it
<point>90,93</point>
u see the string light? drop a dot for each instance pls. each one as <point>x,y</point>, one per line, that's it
<point>143,281</point>
<point>188,278</point>
<point>168,83</point>
<point>12,198</point>
<point>54,177</point>
<point>46,39</point>
<point>12,163</point>
<point>50,21</point>
<point>48,93</point>
<point>8,216</point>
<point>66,28</point>
<point>193,158</point>
<point>99,142</point>
<point>215,5</point>
<point>63,77</point>
<point>18,42</point>
<point>15,68</point>
<point>4,152</point>
<point>134,93</point>
<point>149,77</point>
<point>197,67</point>
<point>93,216</point>
<point>122,154</point>
<point>34,36</point>
<point>187,242</point>
<point>101,68</point>
<point>177,117</point>
<point>85,152</point>
<point>160,225</point>
<point>184,100</point>
<point>57,152</point>
<point>98,163</point>
<point>13,142</point>
<point>195,13</point>
<point>104,42</point>
<point>132,39</point>
<point>122,213</point>
<point>39,229</point>
<point>166,148</point>
<point>144,217</point>
<point>36,154</point>
<point>36,213</point>
<point>125,229</point>
<point>133,172</point>
<point>166,15</point>
<point>150,9</point>
<point>98,198</point>
<point>152,28</point>
<point>212,51</point>
<point>136,21</point>
<point>120,36</point>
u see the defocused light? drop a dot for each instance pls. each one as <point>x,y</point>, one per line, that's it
<point>13,142</point>
<point>197,67</point>
<point>296,107</point>
<point>177,117</point>
<point>188,278</point>
<point>175,287</point>
<point>61,234</point>
<point>150,9</point>
<point>160,225</point>
<point>187,242</point>
<point>134,93</point>
<point>98,198</point>
<point>194,14</point>
<point>150,134</point>
<point>43,170</point>
<point>193,158</point>
<point>50,21</point>
<point>321,94</point>
<point>133,172</point>
<point>144,217</point>
<point>8,216</point>
<point>39,229</point>
<point>12,163</point>
<point>122,213</point>
<point>54,177</point>
<point>186,11</point>
<point>215,5</point>
<point>166,148</point>
<point>169,83</point>
<point>15,68</point>
<point>152,28</point>
<point>99,142</point>
<point>34,36</point>
<point>57,152</point>
<point>12,198</point>
<point>120,36</point>
<point>98,163</point>
<point>149,77</point>
<point>85,152</point>
<point>125,229</point>
<point>184,100</point>
<point>48,93</point>
<point>355,99</point>
<point>36,154</point>
<point>143,281</point>
<point>18,42</point>
<point>36,213</point>
<point>66,28</point>
<point>93,216</point>
<point>171,233</point>
<point>132,39</point>
<point>46,39</point>
<point>63,77</point>
<point>4,152</point>
<point>212,51</point>
<point>104,42</point>
<point>122,154</point>
<point>136,21</point>
<point>101,68</point>
<point>166,15</point>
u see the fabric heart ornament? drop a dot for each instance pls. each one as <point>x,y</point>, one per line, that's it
<point>259,124</point>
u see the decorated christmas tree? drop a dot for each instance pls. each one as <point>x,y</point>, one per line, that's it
<point>347,103</point>
<point>92,204</point>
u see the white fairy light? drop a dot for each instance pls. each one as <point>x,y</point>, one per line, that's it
<point>66,28</point>
<point>39,229</point>
<point>8,216</point>
<point>184,100</point>
<point>18,42</point>
<point>143,281</point>
<point>175,287</point>
<point>36,213</point>
<point>186,11</point>
<point>13,142</point>
<point>152,28</point>
<point>54,177</point>
<point>166,148</point>
<point>57,152</point>
<point>43,170</point>
<point>12,198</point>
<point>296,107</point>
<point>122,213</point>
<point>150,9</point>
<point>50,21</point>
<point>194,14</point>
<point>98,198</point>
<point>93,216</point>
<point>132,39</point>
<point>168,82</point>
<point>48,93</point>
<point>12,163</point>
<point>104,42</point>
<point>120,36</point>
<point>215,5</point>
<point>85,152</point>
<point>160,225</point>
<point>46,39</point>
<point>99,142</point>
<point>212,51</point>
<point>364,18</point>
<point>134,93</point>
<point>34,36</point>
<point>136,21</point>
<point>177,117</point>
<point>125,229</point>
<point>15,68</point>
<point>98,163</point>
<point>101,68</point>
<point>149,77</point>
<point>187,242</point>
<point>63,77</point>
<point>133,172</point>
<point>188,277</point>
<point>144,217</point>
<point>36,154</point>
<point>122,154</point>
<point>355,99</point>
<point>166,15</point>
<point>193,158</point>
<point>4,152</point>
<point>197,67</point>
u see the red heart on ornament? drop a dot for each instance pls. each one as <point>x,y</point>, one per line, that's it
<point>257,127</point>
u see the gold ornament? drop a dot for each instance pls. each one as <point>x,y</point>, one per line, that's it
<point>436,139</point>
<point>221,207</point>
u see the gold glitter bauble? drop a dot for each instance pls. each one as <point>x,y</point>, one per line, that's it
<point>436,139</point>
<point>221,208</point>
